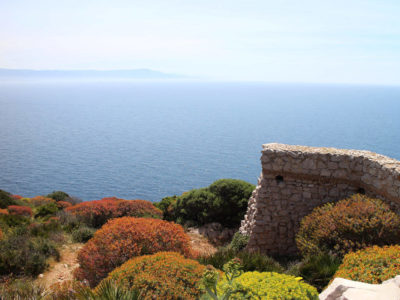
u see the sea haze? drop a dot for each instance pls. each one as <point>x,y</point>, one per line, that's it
<point>148,140</point>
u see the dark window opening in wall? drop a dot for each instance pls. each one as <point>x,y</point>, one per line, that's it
<point>361,191</point>
<point>279,178</point>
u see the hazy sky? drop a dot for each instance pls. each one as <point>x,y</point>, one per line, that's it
<point>352,41</point>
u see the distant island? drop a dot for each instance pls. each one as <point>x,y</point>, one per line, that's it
<point>70,74</point>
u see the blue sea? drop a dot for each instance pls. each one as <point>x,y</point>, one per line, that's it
<point>151,139</point>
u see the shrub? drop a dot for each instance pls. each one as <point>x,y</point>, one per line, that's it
<point>224,201</point>
<point>16,197</point>
<point>38,201</point>
<point>371,265</point>
<point>82,234</point>
<point>58,195</point>
<point>239,241</point>
<point>13,220</point>
<point>20,254</point>
<point>167,206</point>
<point>1,234</point>
<point>5,199</point>
<point>21,289</point>
<point>49,209</point>
<point>20,210</point>
<point>267,285</point>
<point>348,225</point>
<point>251,261</point>
<point>96,213</point>
<point>316,270</point>
<point>3,211</point>
<point>123,238</point>
<point>165,275</point>
<point>63,204</point>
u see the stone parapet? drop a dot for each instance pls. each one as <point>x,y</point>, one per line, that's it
<point>295,179</point>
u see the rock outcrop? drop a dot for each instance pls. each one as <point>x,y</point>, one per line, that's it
<point>344,289</point>
<point>295,179</point>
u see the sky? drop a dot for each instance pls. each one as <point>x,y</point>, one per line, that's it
<point>321,41</point>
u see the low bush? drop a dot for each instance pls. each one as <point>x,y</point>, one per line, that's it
<point>98,212</point>
<point>63,204</point>
<point>19,210</point>
<point>239,241</point>
<point>316,270</point>
<point>123,238</point>
<point>348,225</point>
<point>371,265</point>
<point>251,261</point>
<point>22,254</point>
<point>6,199</point>
<point>16,197</point>
<point>46,210</point>
<point>165,275</point>
<point>3,211</point>
<point>224,201</point>
<point>82,234</point>
<point>13,220</point>
<point>267,285</point>
<point>38,201</point>
<point>58,196</point>
<point>19,289</point>
<point>167,206</point>
<point>68,221</point>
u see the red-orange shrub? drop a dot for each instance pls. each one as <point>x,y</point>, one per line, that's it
<point>348,225</point>
<point>3,211</point>
<point>123,238</point>
<point>63,204</point>
<point>40,200</point>
<point>98,212</point>
<point>164,275</point>
<point>16,197</point>
<point>20,210</point>
<point>1,234</point>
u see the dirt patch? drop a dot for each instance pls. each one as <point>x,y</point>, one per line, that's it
<point>60,271</point>
<point>200,244</point>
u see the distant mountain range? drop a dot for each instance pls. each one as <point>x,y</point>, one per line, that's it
<point>136,73</point>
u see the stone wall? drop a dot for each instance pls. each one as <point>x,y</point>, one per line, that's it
<point>295,179</point>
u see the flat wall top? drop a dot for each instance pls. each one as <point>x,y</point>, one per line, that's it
<point>297,152</point>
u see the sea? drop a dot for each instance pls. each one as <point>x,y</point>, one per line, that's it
<point>147,140</point>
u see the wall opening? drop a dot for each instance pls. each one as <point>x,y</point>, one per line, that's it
<point>279,178</point>
<point>361,191</point>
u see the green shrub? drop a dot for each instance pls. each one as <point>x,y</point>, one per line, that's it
<point>45,210</point>
<point>239,241</point>
<point>6,199</point>
<point>224,201</point>
<point>13,220</point>
<point>58,196</point>
<point>316,270</point>
<point>251,261</point>
<point>69,222</point>
<point>21,289</point>
<point>167,206</point>
<point>371,265</point>
<point>21,254</point>
<point>82,234</point>
<point>348,225</point>
<point>268,285</point>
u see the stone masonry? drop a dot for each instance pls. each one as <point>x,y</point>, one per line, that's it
<point>295,179</point>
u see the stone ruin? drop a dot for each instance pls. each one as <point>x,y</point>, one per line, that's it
<point>296,179</point>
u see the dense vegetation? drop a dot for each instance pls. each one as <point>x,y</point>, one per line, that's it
<point>348,225</point>
<point>372,265</point>
<point>97,213</point>
<point>123,238</point>
<point>136,255</point>
<point>165,275</point>
<point>224,201</point>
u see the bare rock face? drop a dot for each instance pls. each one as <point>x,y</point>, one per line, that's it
<point>344,289</point>
<point>216,233</point>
